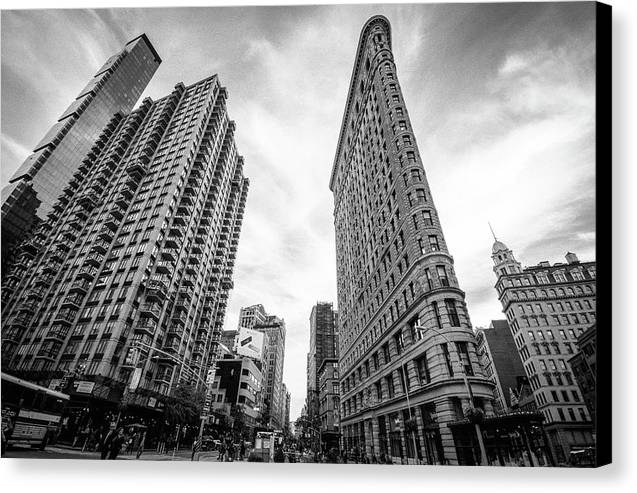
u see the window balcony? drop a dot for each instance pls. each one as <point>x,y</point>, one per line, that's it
<point>58,333</point>
<point>106,235</point>
<point>81,285</point>
<point>36,293</point>
<point>177,231</point>
<point>136,169</point>
<point>51,267</point>
<point>117,212</point>
<point>172,242</point>
<point>73,301</point>
<point>22,320</point>
<point>100,246</point>
<point>156,289</point>
<point>65,316</point>
<point>171,347</point>
<point>170,254</point>
<point>32,245</point>
<point>165,267</point>
<point>150,310</point>
<point>94,259</point>
<point>43,280</point>
<point>47,354</point>
<point>147,327</point>
<point>182,305</point>
<point>87,272</point>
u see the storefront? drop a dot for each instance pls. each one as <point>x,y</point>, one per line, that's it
<point>512,439</point>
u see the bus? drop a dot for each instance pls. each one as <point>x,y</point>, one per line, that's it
<point>31,414</point>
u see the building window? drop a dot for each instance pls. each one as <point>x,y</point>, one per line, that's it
<point>390,385</point>
<point>452,312</point>
<point>399,341</point>
<point>463,352</point>
<point>437,314</point>
<point>422,366</point>
<point>442,275</point>
<point>447,356</point>
<point>433,243</point>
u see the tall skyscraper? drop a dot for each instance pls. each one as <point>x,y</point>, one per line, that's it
<point>323,344</point>
<point>37,184</point>
<point>548,307</point>
<point>401,386</point>
<point>134,264</point>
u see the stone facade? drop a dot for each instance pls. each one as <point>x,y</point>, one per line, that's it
<point>547,308</point>
<point>329,403</point>
<point>584,366</point>
<point>403,322</point>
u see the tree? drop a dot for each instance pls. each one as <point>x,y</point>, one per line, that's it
<point>184,406</point>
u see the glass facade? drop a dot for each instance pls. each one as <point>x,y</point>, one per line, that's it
<point>40,180</point>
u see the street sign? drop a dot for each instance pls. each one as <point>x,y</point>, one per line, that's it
<point>84,387</point>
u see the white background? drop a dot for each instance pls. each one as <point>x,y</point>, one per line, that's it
<point>97,476</point>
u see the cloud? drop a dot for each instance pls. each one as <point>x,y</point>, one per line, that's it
<point>501,98</point>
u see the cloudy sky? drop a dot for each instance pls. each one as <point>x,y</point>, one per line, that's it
<point>501,98</point>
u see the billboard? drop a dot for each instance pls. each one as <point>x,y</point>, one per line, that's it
<point>250,343</point>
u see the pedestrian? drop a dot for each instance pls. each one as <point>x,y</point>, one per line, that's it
<point>140,446</point>
<point>106,444</point>
<point>231,452</point>
<point>196,447</point>
<point>116,444</point>
<point>242,450</point>
<point>222,451</point>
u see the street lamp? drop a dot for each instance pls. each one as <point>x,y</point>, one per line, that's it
<point>413,432</point>
<point>483,452</point>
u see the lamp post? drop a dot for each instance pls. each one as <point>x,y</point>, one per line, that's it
<point>483,451</point>
<point>411,417</point>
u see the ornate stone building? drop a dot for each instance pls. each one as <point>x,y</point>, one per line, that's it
<point>405,336</point>
<point>548,307</point>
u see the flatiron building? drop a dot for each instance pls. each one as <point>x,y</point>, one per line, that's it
<point>405,338</point>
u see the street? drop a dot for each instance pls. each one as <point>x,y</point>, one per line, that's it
<point>53,452</point>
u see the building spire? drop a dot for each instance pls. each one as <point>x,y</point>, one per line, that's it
<point>491,228</point>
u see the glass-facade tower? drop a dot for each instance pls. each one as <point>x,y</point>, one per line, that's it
<point>40,180</point>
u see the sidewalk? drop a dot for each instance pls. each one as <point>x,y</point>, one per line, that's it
<point>149,454</point>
